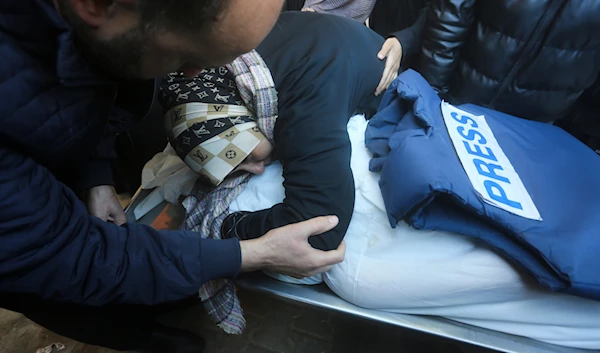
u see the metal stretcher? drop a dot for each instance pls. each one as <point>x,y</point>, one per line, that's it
<point>168,216</point>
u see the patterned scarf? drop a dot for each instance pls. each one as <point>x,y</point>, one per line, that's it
<point>207,206</point>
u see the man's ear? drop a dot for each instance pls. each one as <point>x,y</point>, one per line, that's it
<point>97,12</point>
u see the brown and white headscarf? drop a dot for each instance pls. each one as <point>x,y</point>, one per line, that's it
<point>205,125</point>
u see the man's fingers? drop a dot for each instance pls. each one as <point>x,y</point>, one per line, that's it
<point>104,215</point>
<point>315,226</point>
<point>319,271</point>
<point>378,90</point>
<point>326,259</point>
<point>291,274</point>
<point>384,80</point>
<point>326,269</point>
<point>120,218</point>
<point>336,256</point>
<point>385,50</point>
<point>116,219</point>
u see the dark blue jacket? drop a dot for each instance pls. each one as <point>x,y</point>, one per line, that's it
<point>424,182</point>
<point>54,113</point>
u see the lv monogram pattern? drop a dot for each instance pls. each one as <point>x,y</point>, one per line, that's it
<point>207,124</point>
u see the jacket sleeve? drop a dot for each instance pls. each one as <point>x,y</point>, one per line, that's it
<point>410,38</point>
<point>98,169</point>
<point>313,146</point>
<point>51,247</point>
<point>447,29</point>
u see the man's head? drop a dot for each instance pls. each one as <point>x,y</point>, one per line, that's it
<point>150,38</point>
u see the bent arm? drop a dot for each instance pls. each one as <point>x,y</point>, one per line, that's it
<point>314,148</point>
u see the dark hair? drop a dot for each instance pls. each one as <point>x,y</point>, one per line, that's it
<point>178,14</point>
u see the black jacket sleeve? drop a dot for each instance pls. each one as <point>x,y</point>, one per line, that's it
<point>98,169</point>
<point>312,144</point>
<point>410,38</point>
<point>131,107</point>
<point>447,29</point>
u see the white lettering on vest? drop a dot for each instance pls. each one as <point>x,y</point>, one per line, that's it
<point>489,170</point>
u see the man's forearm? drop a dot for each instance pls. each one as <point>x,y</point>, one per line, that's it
<point>255,254</point>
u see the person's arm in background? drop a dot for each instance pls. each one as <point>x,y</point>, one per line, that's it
<point>97,170</point>
<point>51,247</point>
<point>400,45</point>
<point>447,28</point>
<point>94,181</point>
<point>410,38</point>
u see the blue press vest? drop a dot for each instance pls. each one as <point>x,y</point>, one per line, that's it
<point>424,183</point>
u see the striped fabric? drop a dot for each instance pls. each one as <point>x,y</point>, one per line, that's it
<point>358,10</point>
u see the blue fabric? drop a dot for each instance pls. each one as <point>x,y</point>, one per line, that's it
<point>424,183</point>
<point>54,113</point>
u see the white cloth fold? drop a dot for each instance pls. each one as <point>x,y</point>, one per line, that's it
<point>169,176</point>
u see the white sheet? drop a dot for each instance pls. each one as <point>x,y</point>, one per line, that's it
<point>434,273</point>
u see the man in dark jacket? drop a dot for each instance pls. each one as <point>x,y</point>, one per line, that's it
<point>531,59</point>
<point>65,66</point>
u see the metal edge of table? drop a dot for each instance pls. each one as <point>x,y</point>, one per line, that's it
<point>322,297</point>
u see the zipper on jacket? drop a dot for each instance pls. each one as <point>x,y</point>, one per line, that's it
<point>532,46</point>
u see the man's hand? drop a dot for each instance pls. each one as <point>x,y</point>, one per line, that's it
<point>392,50</point>
<point>286,250</point>
<point>102,202</point>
